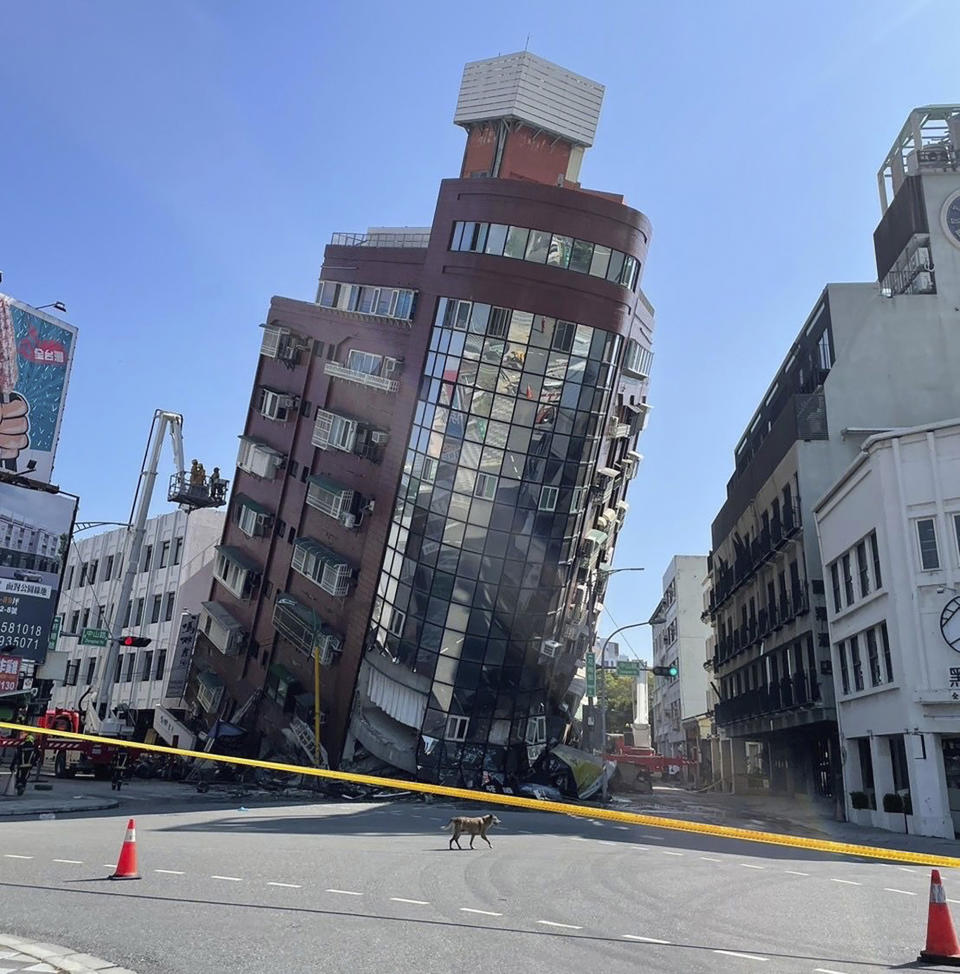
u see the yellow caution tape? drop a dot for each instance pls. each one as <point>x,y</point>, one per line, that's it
<point>581,811</point>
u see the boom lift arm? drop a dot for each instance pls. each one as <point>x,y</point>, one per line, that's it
<point>191,490</point>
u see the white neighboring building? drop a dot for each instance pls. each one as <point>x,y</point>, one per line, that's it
<point>889,531</point>
<point>679,638</point>
<point>174,577</point>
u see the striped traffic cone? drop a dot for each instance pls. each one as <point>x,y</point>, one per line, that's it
<point>127,864</point>
<point>942,946</point>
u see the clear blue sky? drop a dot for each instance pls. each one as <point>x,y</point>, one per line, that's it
<point>168,167</point>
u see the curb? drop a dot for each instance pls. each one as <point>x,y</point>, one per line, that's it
<point>60,809</point>
<point>64,959</point>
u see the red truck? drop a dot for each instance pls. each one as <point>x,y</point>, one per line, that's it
<point>67,758</point>
<point>642,763</point>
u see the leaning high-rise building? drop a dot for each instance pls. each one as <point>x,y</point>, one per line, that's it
<point>435,463</point>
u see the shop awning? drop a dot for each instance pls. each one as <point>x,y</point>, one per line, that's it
<point>254,506</point>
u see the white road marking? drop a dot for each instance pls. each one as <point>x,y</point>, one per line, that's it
<point>109,865</point>
<point>486,913</point>
<point>10,855</point>
<point>400,899</point>
<point>170,872</point>
<point>566,926</point>
<point>827,970</point>
<point>647,940</point>
<point>70,862</point>
<point>905,892</point>
<point>286,885</point>
<point>846,882</point>
<point>579,838</point>
<point>524,832</point>
<point>653,838</point>
<point>345,892</point>
<point>794,872</point>
<point>229,879</point>
<point>906,869</point>
<point>733,953</point>
<point>622,828</point>
<point>953,901</point>
<point>640,848</point>
<point>711,859</point>
<point>750,865</point>
<point>605,842</point>
<point>667,852</point>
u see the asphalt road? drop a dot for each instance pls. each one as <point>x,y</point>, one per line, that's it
<point>373,888</point>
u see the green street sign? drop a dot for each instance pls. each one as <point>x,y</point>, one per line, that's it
<point>54,634</point>
<point>94,637</point>
<point>591,674</point>
<point>628,667</point>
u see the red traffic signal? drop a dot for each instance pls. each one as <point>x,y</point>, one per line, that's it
<point>135,641</point>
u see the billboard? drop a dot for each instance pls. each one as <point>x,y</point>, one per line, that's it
<point>36,353</point>
<point>9,674</point>
<point>35,528</point>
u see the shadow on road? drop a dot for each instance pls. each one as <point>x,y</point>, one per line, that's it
<point>487,929</point>
<point>391,820</point>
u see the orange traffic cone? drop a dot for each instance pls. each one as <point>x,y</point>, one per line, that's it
<point>942,946</point>
<point>127,864</point>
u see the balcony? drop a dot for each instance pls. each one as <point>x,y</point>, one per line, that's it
<point>792,692</point>
<point>221,628</point>
<point>305,630</point>
<point>323,566</point>
<point>417,239</point>
<point>750,559</point>
<point>282,344</point>
<point>382,383</point>
<point>329,497</point>
<point>770,619</point>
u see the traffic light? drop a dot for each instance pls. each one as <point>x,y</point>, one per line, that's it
<point>136,641</point>
<point>670,671</point>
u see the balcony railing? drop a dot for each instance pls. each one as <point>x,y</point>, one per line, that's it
<point>409,238</point>
<point>304,631</point>
<point>763,548</point>
<point>379,382</point>
<point>801,689</point>
<point>770,619</point>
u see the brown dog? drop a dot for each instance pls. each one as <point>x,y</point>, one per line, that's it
<point>473,827</point>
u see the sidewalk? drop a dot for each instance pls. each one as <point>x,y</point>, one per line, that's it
<point>18,954</point>
<point>61,799</point>
<point>800,816</point>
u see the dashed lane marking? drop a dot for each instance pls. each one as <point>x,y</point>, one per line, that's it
<point>905,892</point>
<point>795,872</point>
<point>345,892</point>
<point>846,882</point>
<point>646,940</point>
<point>486,913</point>
<point>622,828</point>
<point>750,865</point>
<point>70,862</point>
<point>667,852</point>
<point>10,855</point>
<point>229,879</point>
<point>827,970</point>
<point>734,953</point>
<point>286,885</point>
<point>401,899</point>
<point>711,859</point>
<point>565,926</point>
<point>170,872</point>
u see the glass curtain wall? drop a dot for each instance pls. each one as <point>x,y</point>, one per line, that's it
<point>487,527</point>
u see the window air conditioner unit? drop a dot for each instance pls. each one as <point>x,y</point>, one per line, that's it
<point>923,283</point>
<point>379,437</point>
<point>349,521</point>
<point>549,648</point>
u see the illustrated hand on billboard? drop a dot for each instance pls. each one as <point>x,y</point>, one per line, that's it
<point>13,428</point>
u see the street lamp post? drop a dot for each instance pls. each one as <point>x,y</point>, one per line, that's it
<point>315,652</point>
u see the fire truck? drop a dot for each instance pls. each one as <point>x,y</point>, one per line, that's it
<point>66,758</point>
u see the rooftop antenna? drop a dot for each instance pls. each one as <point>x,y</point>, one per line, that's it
<point>526,43</point>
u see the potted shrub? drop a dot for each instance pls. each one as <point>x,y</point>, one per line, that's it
<point>893,803</point>
<point>859,800</point>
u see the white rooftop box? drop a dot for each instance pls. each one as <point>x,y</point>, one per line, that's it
<point>528,88</point>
